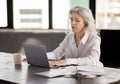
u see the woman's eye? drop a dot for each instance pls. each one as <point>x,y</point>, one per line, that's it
<point>77,20</point>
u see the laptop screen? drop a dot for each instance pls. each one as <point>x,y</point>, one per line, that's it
<point>36,55</point>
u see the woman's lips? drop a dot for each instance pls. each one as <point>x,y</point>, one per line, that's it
<point>73,27</point>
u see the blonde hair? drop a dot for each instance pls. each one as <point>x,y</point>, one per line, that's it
<point>86,14</point>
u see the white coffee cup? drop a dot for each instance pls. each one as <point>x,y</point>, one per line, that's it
<point>17,57</point>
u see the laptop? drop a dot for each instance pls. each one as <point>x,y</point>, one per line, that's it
<point>36,55</point>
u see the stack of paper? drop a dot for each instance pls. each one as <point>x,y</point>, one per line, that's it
<point>89,71</point>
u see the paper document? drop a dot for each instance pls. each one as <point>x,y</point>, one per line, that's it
<point>90,71</point>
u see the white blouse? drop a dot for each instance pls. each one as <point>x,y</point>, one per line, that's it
<point>87,52</point>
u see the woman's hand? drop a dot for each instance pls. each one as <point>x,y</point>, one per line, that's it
<point>58,63</point>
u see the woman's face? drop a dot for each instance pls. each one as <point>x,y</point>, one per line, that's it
<point>77,22</point>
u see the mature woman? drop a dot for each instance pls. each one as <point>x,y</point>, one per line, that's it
<point>82,45</point>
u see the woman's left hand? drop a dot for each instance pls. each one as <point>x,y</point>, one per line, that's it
<point>58,63</point>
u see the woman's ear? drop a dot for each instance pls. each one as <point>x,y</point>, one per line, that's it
<point>85,24</point>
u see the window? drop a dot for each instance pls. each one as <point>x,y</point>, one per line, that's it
<point>30,14</point>
<point>3,13</point>
<point>61,9</point>
<point>40,14</point>
<point>108,14</point>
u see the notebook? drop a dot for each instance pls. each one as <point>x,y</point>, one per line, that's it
<point>36,55</point>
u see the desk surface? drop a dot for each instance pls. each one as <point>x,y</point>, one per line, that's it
<point>24,74</point>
